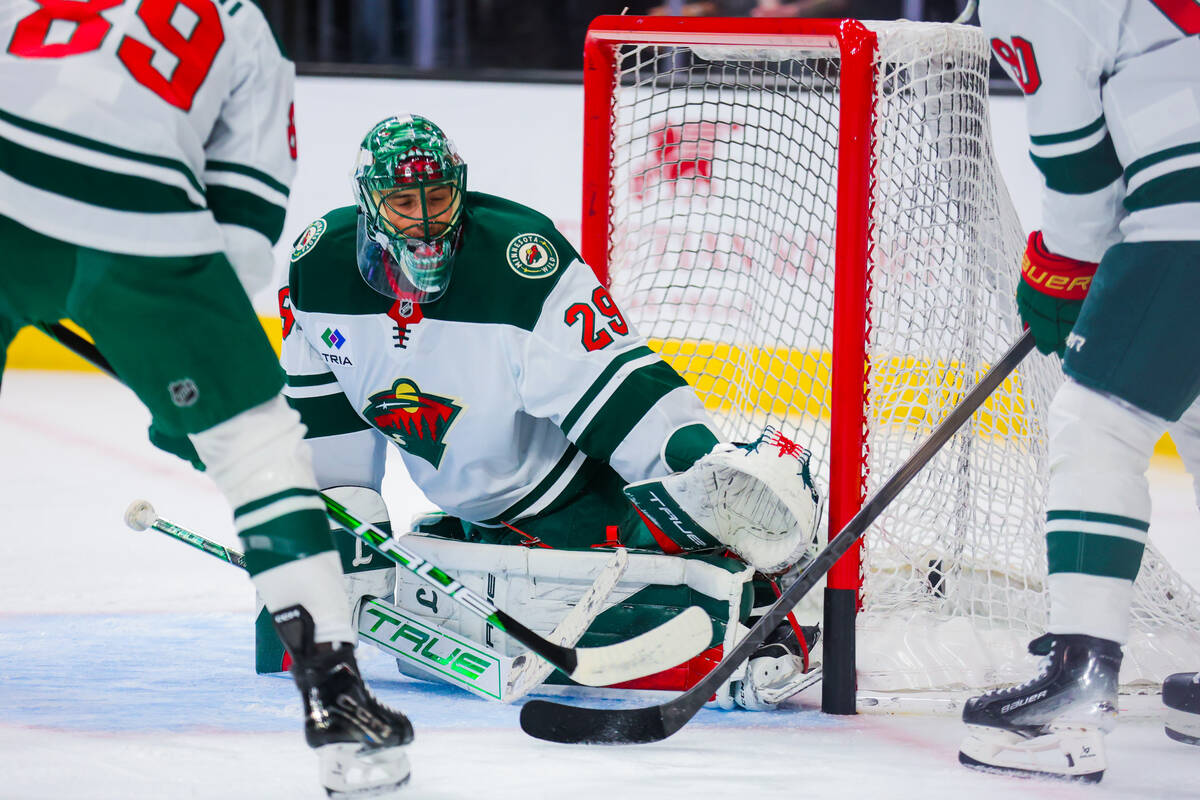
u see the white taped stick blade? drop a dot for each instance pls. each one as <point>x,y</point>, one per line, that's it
<point>140,515</point>
<point>675,641</point>
<point>529,671</point>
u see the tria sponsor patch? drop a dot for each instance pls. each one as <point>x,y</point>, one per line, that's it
<point>532,256</point>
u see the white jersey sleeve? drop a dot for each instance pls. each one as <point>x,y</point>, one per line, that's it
<point>1088,123</point>
<point>1058,54</point>
<point>250,157</point>
<point>585,369</point>
<point>147,128</point>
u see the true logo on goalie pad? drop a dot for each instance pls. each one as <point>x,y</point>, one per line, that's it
<point>432,649</point>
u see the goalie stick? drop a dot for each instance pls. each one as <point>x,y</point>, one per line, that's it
<point>678,639</point>
<point>557,722</point>
<point>480,672</point>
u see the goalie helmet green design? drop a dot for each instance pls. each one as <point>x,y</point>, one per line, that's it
<point>408,182</point>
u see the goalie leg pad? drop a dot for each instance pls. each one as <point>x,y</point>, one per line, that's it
<point>541,587</point>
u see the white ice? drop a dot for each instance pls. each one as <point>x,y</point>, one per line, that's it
<point>126,662</point>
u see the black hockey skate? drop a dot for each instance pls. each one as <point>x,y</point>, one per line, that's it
<point>778,669</point>
<point>1054,724</point>
<point>1181,696</point>
<point>360,741</point>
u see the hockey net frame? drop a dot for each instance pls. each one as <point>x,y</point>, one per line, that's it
<point>908,208</point>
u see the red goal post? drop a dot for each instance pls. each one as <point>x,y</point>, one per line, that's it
<point>807,220</point>
<point>856,47</point>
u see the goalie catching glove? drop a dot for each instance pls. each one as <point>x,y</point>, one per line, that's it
<point>758,500</point>
<point>1050,294</point>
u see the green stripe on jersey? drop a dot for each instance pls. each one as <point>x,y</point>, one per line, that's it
<point>1098,516</point>
<point>238,207</point>
<point>263,502</point>
<point>249,172</point>
<point>102,147</point>
<point>320,379</point>
<point>1069,136</point>
<point>1093,554</point>
<point>543,486</point>
<point>328,415</point>
<point>1182,186</point>
<point>637,394</point>
<point>1081,173</point>
<point>1161,156</point>
<point>598,385</point>
<point>91,185</point>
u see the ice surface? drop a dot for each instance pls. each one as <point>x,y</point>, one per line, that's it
<point>126,662</point>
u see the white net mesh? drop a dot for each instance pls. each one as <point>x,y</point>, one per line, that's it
<point>724,168</point>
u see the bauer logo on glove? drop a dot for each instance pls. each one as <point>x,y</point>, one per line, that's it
<point>758,500</point>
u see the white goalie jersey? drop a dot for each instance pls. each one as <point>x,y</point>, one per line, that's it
<point>182,109</point>
<point>498,395</point>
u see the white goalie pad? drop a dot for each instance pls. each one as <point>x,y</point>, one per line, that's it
<point>759,502</point>
<point>545,589</point>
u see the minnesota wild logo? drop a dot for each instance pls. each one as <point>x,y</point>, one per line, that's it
<point>413,419</point>
<point>532,256</point>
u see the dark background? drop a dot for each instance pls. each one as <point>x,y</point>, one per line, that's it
<point>509,40</point>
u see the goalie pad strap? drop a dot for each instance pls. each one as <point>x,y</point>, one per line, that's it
<point>671,526</point>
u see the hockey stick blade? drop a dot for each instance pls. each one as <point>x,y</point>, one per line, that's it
<point>557,722</point>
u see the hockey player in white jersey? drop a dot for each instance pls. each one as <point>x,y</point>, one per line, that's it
<point>146,149</point>
<point>463,329</point>
<point>1111,284</point>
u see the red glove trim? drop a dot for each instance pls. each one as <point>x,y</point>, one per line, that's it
<point>1055,275</point>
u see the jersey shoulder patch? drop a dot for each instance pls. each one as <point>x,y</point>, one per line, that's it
<point>308,240</point>
<point>511,259</point>
<point>532,255</point>
<point>324,276</point>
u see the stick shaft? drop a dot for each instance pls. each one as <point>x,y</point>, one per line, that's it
<point>199,542</point>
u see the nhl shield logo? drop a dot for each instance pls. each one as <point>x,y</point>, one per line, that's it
<point>532,256</point>
<point>184,392</point>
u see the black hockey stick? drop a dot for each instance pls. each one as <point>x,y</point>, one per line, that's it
<point>556,722</point>
<point>673,642</point>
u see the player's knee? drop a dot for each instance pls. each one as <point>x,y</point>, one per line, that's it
<point>1099,446</point>
<point>257,453</point>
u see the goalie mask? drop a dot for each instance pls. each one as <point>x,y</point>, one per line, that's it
<point>408,182</point>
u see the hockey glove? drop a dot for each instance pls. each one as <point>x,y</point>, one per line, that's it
<point>1051,293</point>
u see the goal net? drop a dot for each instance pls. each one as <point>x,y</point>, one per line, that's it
<point>806,218</point>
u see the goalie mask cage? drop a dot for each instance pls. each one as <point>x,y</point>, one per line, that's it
<point>806,218</point>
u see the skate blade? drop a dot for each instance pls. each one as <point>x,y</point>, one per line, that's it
<point>352,772</point>
<point>1183,726</point>
<point>1068,754</point>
